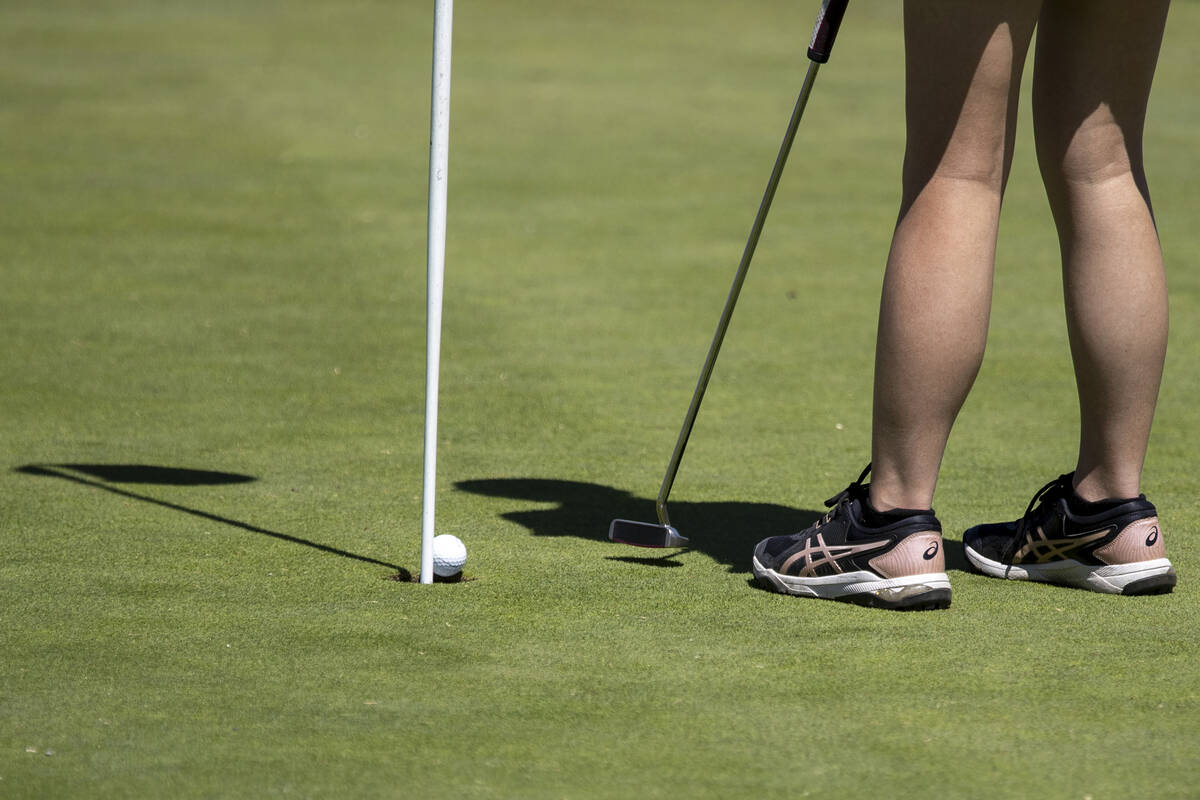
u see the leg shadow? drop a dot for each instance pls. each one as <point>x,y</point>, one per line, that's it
<point>727,532</point>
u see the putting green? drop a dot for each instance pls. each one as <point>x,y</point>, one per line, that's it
<point>213,327</point>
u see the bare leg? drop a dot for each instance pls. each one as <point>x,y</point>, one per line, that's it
<point>964,62</point>
<point>1089,109</point>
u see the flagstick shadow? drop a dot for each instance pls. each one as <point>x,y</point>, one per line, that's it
<point>180,477</point>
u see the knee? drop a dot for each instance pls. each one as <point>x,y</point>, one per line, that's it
<point>973,151</point>
<point>1081,153</point>
<point>966,170</point>
<point>982,166</point>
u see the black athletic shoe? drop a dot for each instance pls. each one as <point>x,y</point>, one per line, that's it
<point>1117,549</point>
<point>897,564</point>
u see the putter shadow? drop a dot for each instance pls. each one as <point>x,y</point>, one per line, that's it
<point>725,531</point>
<point>102,476</point>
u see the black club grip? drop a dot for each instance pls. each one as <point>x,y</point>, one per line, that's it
<point>826,29</point>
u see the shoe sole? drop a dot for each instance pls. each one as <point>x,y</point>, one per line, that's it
<point>911,593</point>
<point>1139,578</point>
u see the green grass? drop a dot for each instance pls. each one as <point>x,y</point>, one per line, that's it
<point>213,228</point>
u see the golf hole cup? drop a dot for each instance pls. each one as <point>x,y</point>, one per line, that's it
<point>449,555</point>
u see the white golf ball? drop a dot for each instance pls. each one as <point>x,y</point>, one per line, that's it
<point>449,555</point>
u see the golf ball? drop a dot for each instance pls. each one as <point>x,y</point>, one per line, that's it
<point>449,555</point>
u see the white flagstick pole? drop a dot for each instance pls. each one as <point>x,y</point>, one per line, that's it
<point>439,152</point>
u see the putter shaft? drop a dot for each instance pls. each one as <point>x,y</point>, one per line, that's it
<point>735,290</point>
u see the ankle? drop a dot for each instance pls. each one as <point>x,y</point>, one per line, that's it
<point>1096,488</point>
<point>883,501</point>
<point>1088,508</point>
<point>874,518</point>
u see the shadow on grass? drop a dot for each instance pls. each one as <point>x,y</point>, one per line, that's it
<point>727,532</point>
<point>101,476</point>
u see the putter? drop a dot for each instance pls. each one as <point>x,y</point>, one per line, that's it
<point>662,533</point>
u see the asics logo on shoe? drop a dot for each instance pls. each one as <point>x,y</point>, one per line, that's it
<point>931,553</point>
<point>816,553</point>
<point>1039,549</point>
<point>1153,537</point>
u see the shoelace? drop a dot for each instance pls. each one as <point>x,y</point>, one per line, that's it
<point>856,489</point>
<point>1043,494</point>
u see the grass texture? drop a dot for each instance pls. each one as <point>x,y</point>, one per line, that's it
<point>213,238</point>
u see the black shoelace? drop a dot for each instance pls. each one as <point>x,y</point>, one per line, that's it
<point>1043,496</point>
<point>858,489</point>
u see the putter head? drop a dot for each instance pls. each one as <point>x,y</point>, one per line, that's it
<point>645,534</point>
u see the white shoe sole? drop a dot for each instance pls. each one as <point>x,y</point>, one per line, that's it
<point>930,590</point>
<point>1140,577</point>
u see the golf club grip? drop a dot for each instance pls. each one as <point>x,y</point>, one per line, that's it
<point>826,29</point>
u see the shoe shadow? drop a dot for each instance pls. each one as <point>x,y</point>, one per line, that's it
<point>956,557</point>
<point>726,532</point>
<point>102,476</point>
